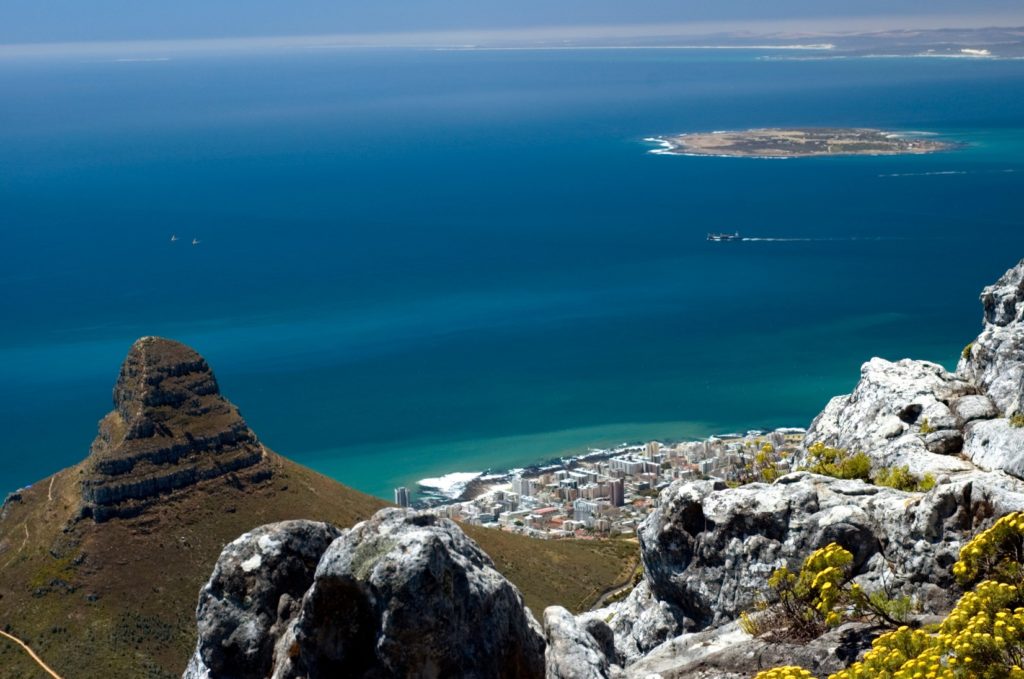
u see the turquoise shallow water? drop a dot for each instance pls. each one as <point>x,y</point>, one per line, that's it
<point>421,262</point>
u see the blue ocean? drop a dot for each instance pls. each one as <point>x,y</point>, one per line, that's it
<point>418,262</point>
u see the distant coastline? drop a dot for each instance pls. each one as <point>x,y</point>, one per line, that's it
<point>799,143</point>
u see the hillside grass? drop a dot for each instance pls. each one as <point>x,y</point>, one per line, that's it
<point>570,573</point>
<point>118,599</point>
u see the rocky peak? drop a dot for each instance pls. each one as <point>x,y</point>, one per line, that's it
<point>995,360</point>
<point>170,429</point>
<point>1002,300</point>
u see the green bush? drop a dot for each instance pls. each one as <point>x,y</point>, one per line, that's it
<point>837,462</point>
<point>966,353</point>
<point>926,427</point>
<point>1017,420</point>
<point>900,478</point>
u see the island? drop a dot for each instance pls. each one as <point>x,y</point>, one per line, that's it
<point>799,142</point>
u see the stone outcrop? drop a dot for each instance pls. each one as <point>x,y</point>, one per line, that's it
<point>995,360</point>
<point>402,594</point>
<point>572,653</point>
<point>639,623</point>
<point>708,550</point>
<point>253,593</point>
<point>170,429</point>
<point>996,444</point>
<point>900,414</point>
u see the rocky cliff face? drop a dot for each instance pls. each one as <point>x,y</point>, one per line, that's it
<point>708,550</point>
<point>995,360</point>
<point>170,430</point>
<point>401,595</point>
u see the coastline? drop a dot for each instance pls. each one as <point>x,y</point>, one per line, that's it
<point>469,486</point>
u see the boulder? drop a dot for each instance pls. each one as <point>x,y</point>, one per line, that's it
<point>898,414</point>
<point>974,407</point>
<point>572,653</point>
<point>252,594</point>
<point>996,444</point>
<point>708,550</point>
<point>995,360</point>
<point>403,594</point>
<point>639,623</point>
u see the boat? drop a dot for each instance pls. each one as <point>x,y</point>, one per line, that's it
<point>717,237</point>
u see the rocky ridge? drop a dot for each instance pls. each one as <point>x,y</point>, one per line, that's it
<point>708,549</point>
<point>170,430</point>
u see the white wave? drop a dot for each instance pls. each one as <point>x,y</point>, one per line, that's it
<point>817,57</point>
<point>924,174</point>
<point>450,485</point>
<point>837,239</point>
<point>667,147</point>
<point>946,173</point>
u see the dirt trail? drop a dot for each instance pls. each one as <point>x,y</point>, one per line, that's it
<point>32,654</point>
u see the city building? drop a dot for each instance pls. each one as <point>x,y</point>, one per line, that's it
<point>402,496</point>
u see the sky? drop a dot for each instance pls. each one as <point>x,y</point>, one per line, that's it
<point>61,21</point>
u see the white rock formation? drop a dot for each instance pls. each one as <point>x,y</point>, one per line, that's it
<point>995,360</point>
<point>899,414</point>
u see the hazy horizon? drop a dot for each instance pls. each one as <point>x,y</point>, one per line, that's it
<point>699,33</point>
<point>191,23</point>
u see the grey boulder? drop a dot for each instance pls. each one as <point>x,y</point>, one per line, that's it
<point>572,653</point>
<point>409,595</point>
<point>996,444</point>
<point>402,594</point>
<point>251,595</point>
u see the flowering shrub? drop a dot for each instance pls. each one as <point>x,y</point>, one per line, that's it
<point>808,599</point>
<point>996,553</point>
<point>820,596</point>
<point>982,638</point>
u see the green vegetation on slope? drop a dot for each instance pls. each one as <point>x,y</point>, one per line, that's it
<point>118,599</point>
<point>570,573</point>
